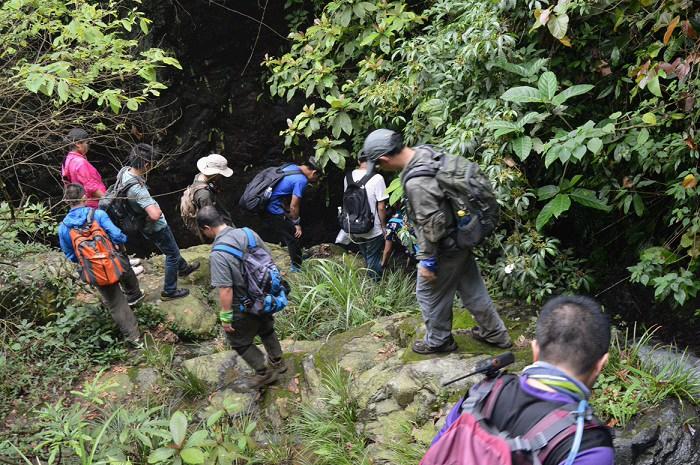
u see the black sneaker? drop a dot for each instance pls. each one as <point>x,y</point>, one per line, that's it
<point>279,366</point>
<point>176,294</point>
<point>136,300</point>
<point>476,334</point>
<point>420,347</point>
<point>258,381</point>
<point>191,268</point>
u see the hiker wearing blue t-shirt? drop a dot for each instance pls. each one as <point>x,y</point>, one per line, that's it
<point>284,208</point>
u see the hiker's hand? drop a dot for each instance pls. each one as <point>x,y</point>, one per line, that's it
<point>426,274</point>
<point>297,231</point>
<point>228,328</point>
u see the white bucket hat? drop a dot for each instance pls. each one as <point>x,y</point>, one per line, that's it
<point>214,164</point>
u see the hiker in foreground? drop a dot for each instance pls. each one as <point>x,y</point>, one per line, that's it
<point>540,414</point>
<point>251,290</point>
<point>89,238</point>
<point>204,190</point>
<point>276,192</point>
<point>363,214</point>
<point>447,227</point>
<point>143,214</point>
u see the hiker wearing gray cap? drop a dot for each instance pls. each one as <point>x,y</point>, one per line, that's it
<point>204,190</point>
<point>445,267</point>
<point>76,169</point>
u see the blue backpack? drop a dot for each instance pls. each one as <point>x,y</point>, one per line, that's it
<point>266,290</point>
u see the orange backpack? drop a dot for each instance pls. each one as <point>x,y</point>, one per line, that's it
<point>100,263</point>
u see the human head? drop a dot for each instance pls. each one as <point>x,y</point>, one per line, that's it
<point>573,334</point>
<point>79,140</point>
<point>209,221</point>
<point>311,170</point>
<point>381,146</point>
<point>74,195</point>
<point>214,165</point>
<point>142,157</point>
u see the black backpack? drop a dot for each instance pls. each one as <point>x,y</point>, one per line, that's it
<point>258,191</point>
<point>356,215</point>
<point>116,204</point>
<point>468,190</point>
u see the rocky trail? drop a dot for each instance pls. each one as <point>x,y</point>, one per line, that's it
<point>398,393</point>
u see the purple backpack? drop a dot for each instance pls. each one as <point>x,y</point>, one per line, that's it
<point>266,290</point>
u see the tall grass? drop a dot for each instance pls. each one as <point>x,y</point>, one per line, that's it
<point>331,296</point>
<point>326,427</point>
<point>633,381</point>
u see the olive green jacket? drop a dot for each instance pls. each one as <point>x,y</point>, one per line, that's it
<point>428,209</point>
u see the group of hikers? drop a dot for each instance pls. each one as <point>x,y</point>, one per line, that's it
<point>448,206</point>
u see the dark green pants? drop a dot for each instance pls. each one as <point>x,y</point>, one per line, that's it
<point>245,328</point>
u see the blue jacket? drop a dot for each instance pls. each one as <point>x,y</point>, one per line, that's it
<point>77,217</point>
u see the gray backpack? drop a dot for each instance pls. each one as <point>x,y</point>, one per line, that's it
<point>468,190</point>
<point>266,289</point>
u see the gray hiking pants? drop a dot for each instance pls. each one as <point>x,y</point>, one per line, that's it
<point>117,303</point>
<point>457,272</point>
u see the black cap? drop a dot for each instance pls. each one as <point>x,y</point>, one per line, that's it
<point>313,164</point>
<point>77,135</point>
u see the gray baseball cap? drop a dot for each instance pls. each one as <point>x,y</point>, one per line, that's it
<point>77,135</point>
<point>381,142</point>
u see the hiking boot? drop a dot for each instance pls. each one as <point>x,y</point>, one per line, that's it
<point>136,300</point>
<point>135,344</point>
<point>176,294</point>
<point>420,347</point>
<point>134,261</point>
<point>279,366</point>
<point>475,333</point>
<point>258,381</point>
<point>138,269</point>
<point>191,268</point>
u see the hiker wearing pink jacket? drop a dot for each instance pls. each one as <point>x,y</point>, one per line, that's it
<point>76,169</point>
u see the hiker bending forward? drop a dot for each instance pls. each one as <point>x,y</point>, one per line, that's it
<point>240,325</point>
<point>569,352</point>
<point>81,217</point>
<point>444,268</point>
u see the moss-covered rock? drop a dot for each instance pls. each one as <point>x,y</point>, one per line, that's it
<point>217,369</point>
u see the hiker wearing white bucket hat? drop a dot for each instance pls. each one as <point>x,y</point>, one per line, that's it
<point>203,192</point>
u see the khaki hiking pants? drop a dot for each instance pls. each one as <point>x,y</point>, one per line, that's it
<point>457,273</point>
<point>117,302</point>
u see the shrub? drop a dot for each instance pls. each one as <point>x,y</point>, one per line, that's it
<point>632,382</point>
<point>330,296</point>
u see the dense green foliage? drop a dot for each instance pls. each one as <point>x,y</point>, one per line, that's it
<point>64,64</point>
<point>330,296</point>
<point>583,113</point>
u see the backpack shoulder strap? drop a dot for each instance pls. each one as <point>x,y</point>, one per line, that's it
<point>252,243</point>
<point>365,179</point>
<point>477,403</point>
<point>90,218</point>
<point>281,169</point>
<point>229,249</point>
<point>557,426</point>
<point>349,179</point>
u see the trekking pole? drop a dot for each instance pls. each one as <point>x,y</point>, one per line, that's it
<point>490,367</point>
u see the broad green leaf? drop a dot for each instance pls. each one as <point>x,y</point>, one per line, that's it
<point>160,455</point>
<point>579,152</point>
<point>594,145</point>
<point>553,209</point>
<point>522,94</point>
<point>522,147</point>
<point>572,91</point>
<point>34,82</point>
<point>132,104</point>
<point>638,204</point>
<point>178,427</point>
<point>192,456</point>
<point>344,121</point>
<point>649,118</point>
<point>547,192</point>
<point>588,198</point>
<point>197,439</point>
<point>552,156</point>
<point>642,137</point>
<point>63,90</point>
<point>547,85</point>
<point>214,418</point>
<point>654,87</point>
<point>558,25</point>
<point>537,145</point>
